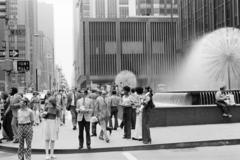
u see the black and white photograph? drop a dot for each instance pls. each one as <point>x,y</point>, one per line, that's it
<point>119,79</point>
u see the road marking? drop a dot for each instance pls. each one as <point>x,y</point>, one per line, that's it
<point>129,156</point>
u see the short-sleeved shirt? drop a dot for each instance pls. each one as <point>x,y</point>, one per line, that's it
<point>25,116</point>
<point>219,95</point>
<point>14,100</point>
<point>115,100</point>
<point>126,101</point>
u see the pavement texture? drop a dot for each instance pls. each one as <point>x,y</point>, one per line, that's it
<point>162,138</point>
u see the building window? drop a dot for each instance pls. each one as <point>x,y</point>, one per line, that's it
<point>129,47</point>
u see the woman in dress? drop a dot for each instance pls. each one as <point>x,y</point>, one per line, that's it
<point>25,129</point>
<point>148,106</point>
<point>138,103</point>
<point>52,115</point>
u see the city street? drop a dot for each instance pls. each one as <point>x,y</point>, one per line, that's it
<point>204,153</point>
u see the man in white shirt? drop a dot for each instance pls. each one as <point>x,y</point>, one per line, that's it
<point>84,110</point>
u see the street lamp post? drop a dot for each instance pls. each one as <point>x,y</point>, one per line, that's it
<point>36,79</point>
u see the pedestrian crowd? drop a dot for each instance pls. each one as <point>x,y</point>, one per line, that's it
<point>130,107</point>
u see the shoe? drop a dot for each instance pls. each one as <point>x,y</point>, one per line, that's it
<point>107,140</point>
<point>47,157</point>
<point>53,157</point>
<point>126,137</point>
<point>121,125</point>
<point>133,138</point>
<point>80,147</point>
<point>74,128</point>
<point>148,142</point>
<point>15,141</point>
<point>140,139</point>
<point>89,147</point>
<point>110,130</point>
<point>101,138</point>
<point>225,115</point>
<point>229,116</point>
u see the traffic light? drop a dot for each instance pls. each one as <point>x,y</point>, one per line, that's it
<point>23,65</point>
<point>3,9</point>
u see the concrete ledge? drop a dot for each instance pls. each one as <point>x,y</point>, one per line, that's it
<point>191,115</point>
<point>180,145</point>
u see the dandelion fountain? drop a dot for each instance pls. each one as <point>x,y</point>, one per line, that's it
<point>214,59</point>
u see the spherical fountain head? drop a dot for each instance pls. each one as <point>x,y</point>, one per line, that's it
<point>126,78</point>
<point>214,58</point>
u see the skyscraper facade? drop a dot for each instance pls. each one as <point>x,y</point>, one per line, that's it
<point>198,17</point>
<point>124,38</point>
<point>128,8</point>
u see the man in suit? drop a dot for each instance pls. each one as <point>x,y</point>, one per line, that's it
<point>71,105</point>
<point>103,114</point>
<point>84,110</point>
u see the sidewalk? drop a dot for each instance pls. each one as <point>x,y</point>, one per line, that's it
<point>68,139</point>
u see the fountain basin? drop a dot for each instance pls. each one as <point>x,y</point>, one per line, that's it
<point>199,109</point>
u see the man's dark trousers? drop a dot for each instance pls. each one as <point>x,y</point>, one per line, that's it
<point>84,124</point>
<point>127,121</point>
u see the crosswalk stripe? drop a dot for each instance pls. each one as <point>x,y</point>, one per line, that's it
<point>129,156</point>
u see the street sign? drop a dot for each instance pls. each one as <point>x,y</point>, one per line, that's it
<point>13,53</point>
<point>23,65</point>
<point>6,65</point>
<point>19,32</point>
<point>2,53</point>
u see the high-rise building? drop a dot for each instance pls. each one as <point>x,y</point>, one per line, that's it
<point>46,26</point>
<point>128,8</point>
<point>21,25</point>
<point>130,40</point>
<point>162,8</point>
<point>198,17</point>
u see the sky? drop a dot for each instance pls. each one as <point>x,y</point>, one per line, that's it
<point>63,21</point>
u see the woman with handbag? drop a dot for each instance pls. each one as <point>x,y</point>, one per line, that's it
<point>138,103</point>
<point>148,106</point>
<point>52,123</point>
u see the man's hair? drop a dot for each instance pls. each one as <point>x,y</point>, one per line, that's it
<point>14,90</point>
<point>85,92</point>
<point>133,90</point>
<point>126,88</point>
<point>114,92</point>
<point>139,90</point>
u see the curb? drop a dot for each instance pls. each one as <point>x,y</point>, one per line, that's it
<point>180,145</point>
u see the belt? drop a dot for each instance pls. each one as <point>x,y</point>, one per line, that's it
<point>23,124</point>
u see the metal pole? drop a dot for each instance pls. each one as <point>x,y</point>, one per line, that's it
<point>229,78</point>
<point>36,79</point>
<point>7,75</point>
<point>50,82</point>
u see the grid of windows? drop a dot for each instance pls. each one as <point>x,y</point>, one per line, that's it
<point>201,16</point>
<point>146,47</point>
